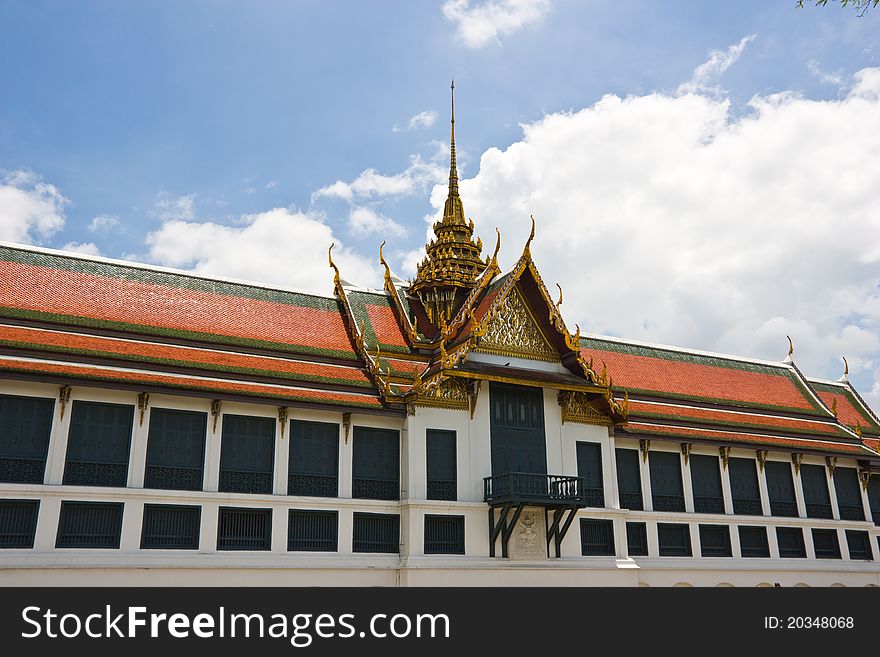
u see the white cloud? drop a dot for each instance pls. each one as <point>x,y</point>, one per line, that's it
<point>423,120</point>
<point>169,207</point>
<point>103,223</point>
<point>277,247</point>
<point>364,221</point>
<point>668,218</point>
<point>706,74</point>
<point>272,184</point>
<point>85,248</point>
<point>487,21</point>
<point>828,78</point>
<point>30,209</point>
<point>417,176</point>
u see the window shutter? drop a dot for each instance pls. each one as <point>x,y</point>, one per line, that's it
<point>629,481</point>
<point>706,480</point>
<point>314,459</point>
<point>25,425</point>
<point>744,486</point>
<point>849,496</point>
<point>666,486</point>
<point>589,465</point>
<point>780,489</point>
<point>816,491</point>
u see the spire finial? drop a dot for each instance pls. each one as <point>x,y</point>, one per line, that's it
<point>453,169</point>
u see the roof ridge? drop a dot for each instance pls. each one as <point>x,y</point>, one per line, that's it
<point>133,264</point>
<point>686,350</point>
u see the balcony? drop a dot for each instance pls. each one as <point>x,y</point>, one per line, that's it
<point>538,489</point>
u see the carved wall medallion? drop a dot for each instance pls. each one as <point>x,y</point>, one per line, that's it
<point>448,393</point>
<point>529,539</point>
<point>514,332</point>
<point>576,407</point>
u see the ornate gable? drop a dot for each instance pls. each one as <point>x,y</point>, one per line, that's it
<point>513,331</point>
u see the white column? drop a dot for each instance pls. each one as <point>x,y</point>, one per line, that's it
<point>762,490</point>
<point>653,544</point>
<point>645,473</point>
<point>609,474</point>
<point>47,524</point>
<point>725,489</point>
<point>280,521</point>
<point>808,543</point>
<point>345,531</point>
<point>132,522</point>
<point>696,548</point>
<point>208,533</point>
<point>212,453</point>
<point>832,494</point>
<point>620,543</point>
<point>138,456</point>
<point>799,496</point>
<point>282,458</point>
<point>772,542</point>
<point>345,447</point>
<point>687,485</point>
<point>58,442</point>
<point>842,542</point>
<point>735,545</point>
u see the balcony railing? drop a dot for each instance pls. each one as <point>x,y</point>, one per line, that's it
<point>539,488</point>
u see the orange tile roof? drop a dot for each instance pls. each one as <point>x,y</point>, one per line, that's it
<point>151,352</point>
<point>759,440</point>
<point>680,375</point>
<point>849,410</point>
<point>186,382</point>
<point>72,291</point>
<point>639,409</point>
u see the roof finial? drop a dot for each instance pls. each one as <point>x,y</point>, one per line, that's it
<point>559,303</point>
<point>527,250</point>
<point>845,376</point>
<point>453,169</point>
<point>333,264</point>
<point>497,246</point>
<point>789,358</point>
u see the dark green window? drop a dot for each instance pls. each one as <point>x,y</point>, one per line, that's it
<point>780,489</point>
<point>247,454</point>
<point>859,545</point>
<point>629,480</point>
<point>444,534</point>
<point>312,531</point>
<point>715,541</point>
<point>597,538</point>
<point>666,489</point>
<point>744,487</point>
<point>175,449</point>
<point>314,459</point>
<point>753,542</point>
<point>589,464</point>
<point>440,456</point>
<point>376,532</point>
<point>18,523</point>
<point>816,491</point>
<point>874,497</point>
<point>791,543</point>
<point>98,444</point>
<point>89,525</point>
<point>637,539</point>
<point>170,527</point>
<point>25,425</point>
<point>849,495</point>
<point>674,540</point>
<point>825,544</point>
<point>706,481</point>
<point>244,529</point>
<point>375,465</point>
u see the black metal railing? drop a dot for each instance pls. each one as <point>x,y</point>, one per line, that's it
<point>706,504</point>
<point>784,509</point>
<point>525,486</point>
<point>851,512</point>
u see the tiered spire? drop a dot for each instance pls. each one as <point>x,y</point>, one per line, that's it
<point>453,262</point>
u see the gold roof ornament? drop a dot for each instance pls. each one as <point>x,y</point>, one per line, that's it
<point>789,359</point>
<point>559,303</point>
<point>845,377</point>
<point>450,270</point>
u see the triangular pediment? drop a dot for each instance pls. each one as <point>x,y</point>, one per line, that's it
<point>513,331</point>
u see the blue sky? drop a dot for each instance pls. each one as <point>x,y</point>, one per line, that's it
<point>185,120</point>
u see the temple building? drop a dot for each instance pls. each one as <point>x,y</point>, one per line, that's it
<point>163,428</point>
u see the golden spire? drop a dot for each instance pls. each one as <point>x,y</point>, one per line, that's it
<point>454,260</point>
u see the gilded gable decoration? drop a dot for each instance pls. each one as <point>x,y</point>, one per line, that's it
<point>450,392</point>
<point>514,332</point>
<point>576,407</point>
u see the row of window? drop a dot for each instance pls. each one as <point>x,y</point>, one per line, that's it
<point>99,445</point>
<point>667,492</point>
<point>674,540</point>
<point>177,527</point>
